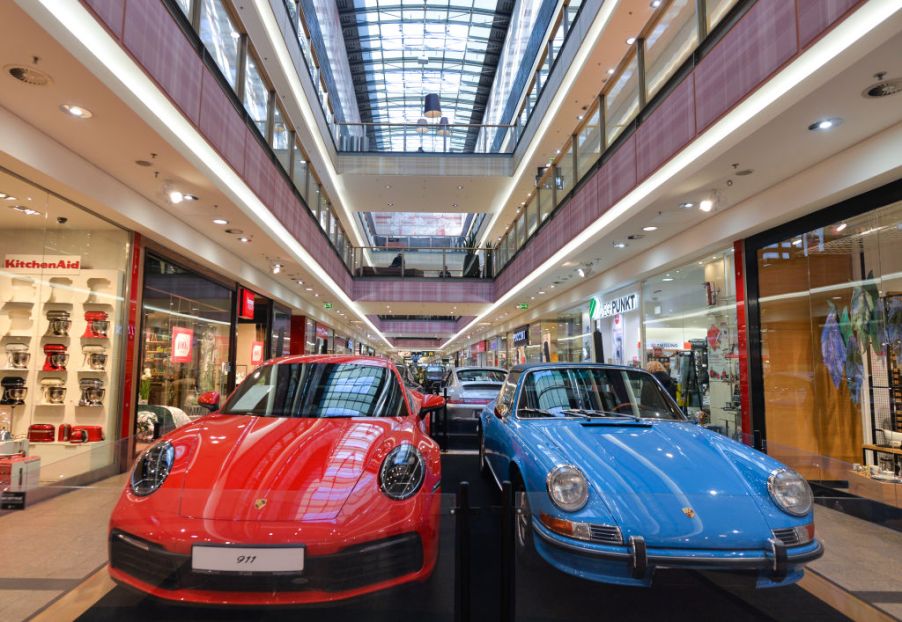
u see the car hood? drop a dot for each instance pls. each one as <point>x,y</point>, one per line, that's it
<point>675,484</point>
<point>274,469</point>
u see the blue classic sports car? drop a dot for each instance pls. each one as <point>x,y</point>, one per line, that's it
<point>612,481</point>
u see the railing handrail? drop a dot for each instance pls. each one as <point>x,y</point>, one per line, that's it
<point>425,248</point>
<point>430,125</point>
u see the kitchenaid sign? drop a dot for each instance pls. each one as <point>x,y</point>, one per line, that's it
<point>623,304</point>
<point>54,264</point>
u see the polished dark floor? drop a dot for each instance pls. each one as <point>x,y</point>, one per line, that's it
<point>543,594</point>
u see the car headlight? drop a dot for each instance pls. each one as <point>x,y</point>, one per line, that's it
<point>567,487</point>
<point>790,492</point>
<point>402,472</point>
<point>152,469</point>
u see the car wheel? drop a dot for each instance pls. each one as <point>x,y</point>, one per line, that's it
<point>483,463</point>
<point>523,535</point>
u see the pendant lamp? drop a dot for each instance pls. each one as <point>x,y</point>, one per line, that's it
<point>443,128</point>
<point>432,108</point>
<point>422,125</point>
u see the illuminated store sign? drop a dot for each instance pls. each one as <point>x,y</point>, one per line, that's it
<point>182,342</point>
<point>246,308</point>
<point>600,309</point>
<point>521,336</point>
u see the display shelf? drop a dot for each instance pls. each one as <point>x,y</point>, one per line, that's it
<point>883,450</point>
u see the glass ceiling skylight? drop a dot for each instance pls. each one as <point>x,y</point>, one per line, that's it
<point>408,48</point>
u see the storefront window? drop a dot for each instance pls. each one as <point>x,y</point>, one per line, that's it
<point>62,321</point>
<point>186,327</point>
<point>618,319</point>
<point>691,329</point>
<point>830,303</point>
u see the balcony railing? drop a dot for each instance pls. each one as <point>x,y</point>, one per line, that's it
<point>418,138</point>
<point>431,262</point>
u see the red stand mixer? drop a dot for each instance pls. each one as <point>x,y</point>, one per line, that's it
<point>56,357</point>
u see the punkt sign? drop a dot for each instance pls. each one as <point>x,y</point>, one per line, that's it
<point>600,308</point>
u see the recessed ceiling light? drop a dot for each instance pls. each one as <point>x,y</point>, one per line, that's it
<point>276,268</point>
<point>706,205</point>
<point>687,205</point>
<point>77,111</point>
<point>299,282</point>
<point>841,226</point>
<point>822,125</point>
<point>220,221</point>
<point>541,293</point>
<point>10,198</point>
<point>460,187</point>
<point>244,239</point>
<point>235,35</point>
<point>176,197</point>
<point>581,272</point>
<point>667,279</point>
<point>619,244</point>
<point>316,295</point>
<point>234,231</point>
<point>309,289</point>
<point>454,205</point>
<point>611,71</point>
<point>2,195</point>
<point>631,40</point>
<point>532,297</point>
<point>191,197</point>
<point>27,211</point>
<point>649,228</point>
<point>388,186</point>
<point>655,4</point>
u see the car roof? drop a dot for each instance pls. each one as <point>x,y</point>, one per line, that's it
<point>330,358</point>
<point>457,369</point>
<point>533,366</point>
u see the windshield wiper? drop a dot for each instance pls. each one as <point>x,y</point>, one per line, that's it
<point>601,413</point>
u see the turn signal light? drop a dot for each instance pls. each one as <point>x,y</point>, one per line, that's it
<point>571,529</point>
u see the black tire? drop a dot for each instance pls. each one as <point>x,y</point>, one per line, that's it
<point>483,463</point>
<point>523,532</point>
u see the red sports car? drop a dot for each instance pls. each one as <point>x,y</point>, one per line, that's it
<point>315,482</point>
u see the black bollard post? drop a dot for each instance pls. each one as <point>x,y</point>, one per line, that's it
<point>508,562</point>
<point>462,561</point>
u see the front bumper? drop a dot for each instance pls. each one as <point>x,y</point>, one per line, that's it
<point>353,571</point>
<point>635,564</point>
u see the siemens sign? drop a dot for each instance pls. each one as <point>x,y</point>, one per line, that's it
<point>601,309</point>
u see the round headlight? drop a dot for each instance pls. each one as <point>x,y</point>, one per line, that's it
<point>152,469</point>
<point>567,487</point>
<point>790,492</point>
<point>402,472</point>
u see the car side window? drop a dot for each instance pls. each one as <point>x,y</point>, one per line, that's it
<point>506,396</point>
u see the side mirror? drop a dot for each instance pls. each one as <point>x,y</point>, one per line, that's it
<point>209,400</point>
<point>431,403</point>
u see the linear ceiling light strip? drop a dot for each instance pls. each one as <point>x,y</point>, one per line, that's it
<point>72,17</point>
<point>851,30</point>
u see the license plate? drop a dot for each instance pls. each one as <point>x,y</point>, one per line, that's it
<point>247,559</point>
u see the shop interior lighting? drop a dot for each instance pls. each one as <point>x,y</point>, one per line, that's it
<point>77,111</point>
<point>244,239</point>
<point>309,289</point>
<point>619,244</point>
<point>190,197</point>
<point>706,205</point>
<point>631,40</point>
<point>220,221</point>
<point>10,198</point>
<point>27,211</point>
<point>655,4</point>
<point>841,226</point>
<point>2,195</point>
<point>650,228</point>
<point>822,125</point>
<point>687,205</point>
<point>581,272</point>
<point>276,268</point>
<point>176,197</point>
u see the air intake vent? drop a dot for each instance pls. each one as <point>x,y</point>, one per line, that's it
<point>28,75</point>
<point>884,88</point>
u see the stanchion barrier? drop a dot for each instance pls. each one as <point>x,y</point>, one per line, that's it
<point>445,420</point>
<point>462,557</point>
<point>508,563</point>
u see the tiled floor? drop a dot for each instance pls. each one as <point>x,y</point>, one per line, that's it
<point>862,558</point>
<point>51,547</point>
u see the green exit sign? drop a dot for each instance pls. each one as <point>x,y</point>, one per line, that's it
<point>327,305</point>
<point>522,306</point>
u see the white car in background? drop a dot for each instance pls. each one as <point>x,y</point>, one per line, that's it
<point>471,388</point>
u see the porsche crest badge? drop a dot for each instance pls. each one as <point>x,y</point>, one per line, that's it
<point>689,512</point>
<point>259,503</point>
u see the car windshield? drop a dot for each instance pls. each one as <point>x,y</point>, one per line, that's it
<point>435,372</point>
<point>317,390</point>
<point>480,375</point>
<point>594,392</point>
